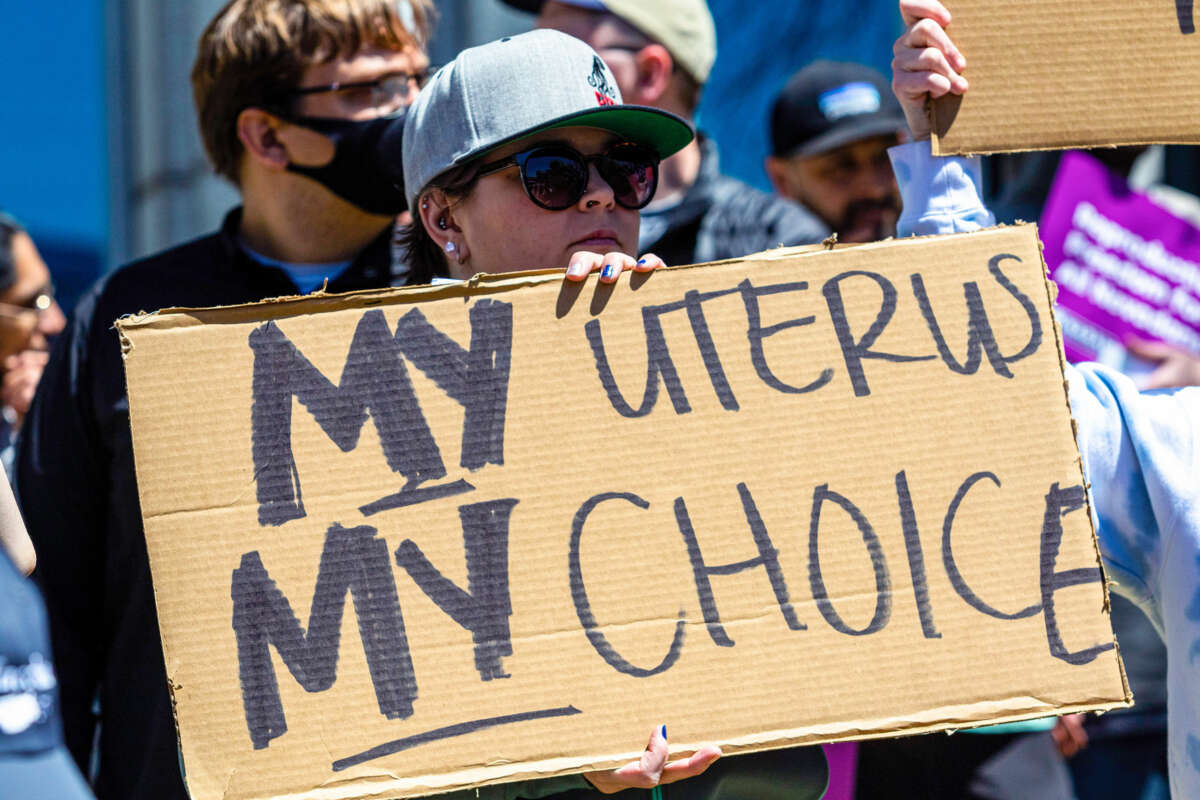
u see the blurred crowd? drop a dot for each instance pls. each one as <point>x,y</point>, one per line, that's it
<point>360,166</point>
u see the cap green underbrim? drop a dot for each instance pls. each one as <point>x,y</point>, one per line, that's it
<point>661,130</point>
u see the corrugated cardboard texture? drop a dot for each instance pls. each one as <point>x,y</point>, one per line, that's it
<point>423,539</point>
<point>1049,74</point>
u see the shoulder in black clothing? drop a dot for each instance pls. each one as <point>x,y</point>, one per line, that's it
<point>721,217</point>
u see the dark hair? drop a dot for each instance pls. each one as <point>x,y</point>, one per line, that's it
<point>9,228</point>
<point>687,89</point>
<point>254,51</point>
<point>425,259</point>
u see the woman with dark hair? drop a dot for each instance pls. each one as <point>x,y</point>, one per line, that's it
<point>518,155</point>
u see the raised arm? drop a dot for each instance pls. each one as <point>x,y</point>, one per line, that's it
<point>940,195</point>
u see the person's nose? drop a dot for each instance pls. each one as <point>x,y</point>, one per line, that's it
<point>884,178</point>
<point>598,193</point>
<point>51,321</point>
<point>872,183</point>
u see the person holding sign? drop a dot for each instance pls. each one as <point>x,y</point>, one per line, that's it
<point>518,154</point>
<point>1140,451</point>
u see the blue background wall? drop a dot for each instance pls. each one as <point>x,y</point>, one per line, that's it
<point>53,143</point>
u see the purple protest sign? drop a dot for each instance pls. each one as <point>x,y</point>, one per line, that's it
<point>1124,265</point>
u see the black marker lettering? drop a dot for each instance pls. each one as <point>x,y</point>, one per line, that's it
<point>855,351</point>
<point>956,579</point>
<point>477,379</point>
<point>883,583</point>
<point>375,383</point>
<point>1035,322</point>
<point>374,380</point>
<point>354,560</point>
<point>708,351</point>
<point>768,559</point>
<point>658,364</point>
<point>485,607</point>
<point>756,333</point>
<point>1059,503</point>
<point>916,556</point>
<point>1187,19</point>
<point>583,607</point>
<point>980,337</point>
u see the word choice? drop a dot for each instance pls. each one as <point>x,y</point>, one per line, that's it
<point>356,562</point>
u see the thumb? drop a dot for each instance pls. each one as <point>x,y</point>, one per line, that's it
<point>654,759</point>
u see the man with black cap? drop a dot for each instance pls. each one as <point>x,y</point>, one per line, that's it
<point>831,127</point>
<point>661,53</point>
<point>293,99</point>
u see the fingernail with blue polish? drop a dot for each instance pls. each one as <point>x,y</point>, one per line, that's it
<point>664,731</point>
<point>642,263</point>
<point>608,271</point>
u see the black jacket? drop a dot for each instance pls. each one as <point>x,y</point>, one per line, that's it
<point>78,492</point>
<point>720,217</point>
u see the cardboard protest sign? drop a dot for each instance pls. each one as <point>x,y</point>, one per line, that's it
<point>422,539</point>
<point>1049,74</point>
<point>1124,265</point>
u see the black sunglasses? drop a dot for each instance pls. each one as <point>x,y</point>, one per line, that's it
<point>555,176</point>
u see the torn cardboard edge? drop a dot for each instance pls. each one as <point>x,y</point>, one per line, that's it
<point>782,740</point>
<point>1051,297</point>
<point>937,148</point>
<point>480,285</point>
<point>772,740</point>
<point>940,114</point>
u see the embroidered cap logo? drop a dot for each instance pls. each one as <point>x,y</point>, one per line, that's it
<point>606,95</point>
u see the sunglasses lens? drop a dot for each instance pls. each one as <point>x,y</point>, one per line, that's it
<point>632,172</point>
<point>554,180</point>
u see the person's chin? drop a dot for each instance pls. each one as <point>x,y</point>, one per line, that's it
<point>876,230</point>
<point>858,235</point>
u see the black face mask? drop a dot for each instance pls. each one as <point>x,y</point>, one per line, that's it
<point>366,168</point>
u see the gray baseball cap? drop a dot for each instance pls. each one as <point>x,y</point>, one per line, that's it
<point>508,89</point>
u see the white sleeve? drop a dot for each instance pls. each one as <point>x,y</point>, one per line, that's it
<point>940,194</point>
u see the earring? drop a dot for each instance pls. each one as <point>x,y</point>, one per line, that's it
<point>442,223</point>
<point>450,248</point>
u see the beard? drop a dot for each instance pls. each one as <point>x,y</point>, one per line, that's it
<point>869,220</point>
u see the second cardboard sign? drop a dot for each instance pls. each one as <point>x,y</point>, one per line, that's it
<point>1054,74</point>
